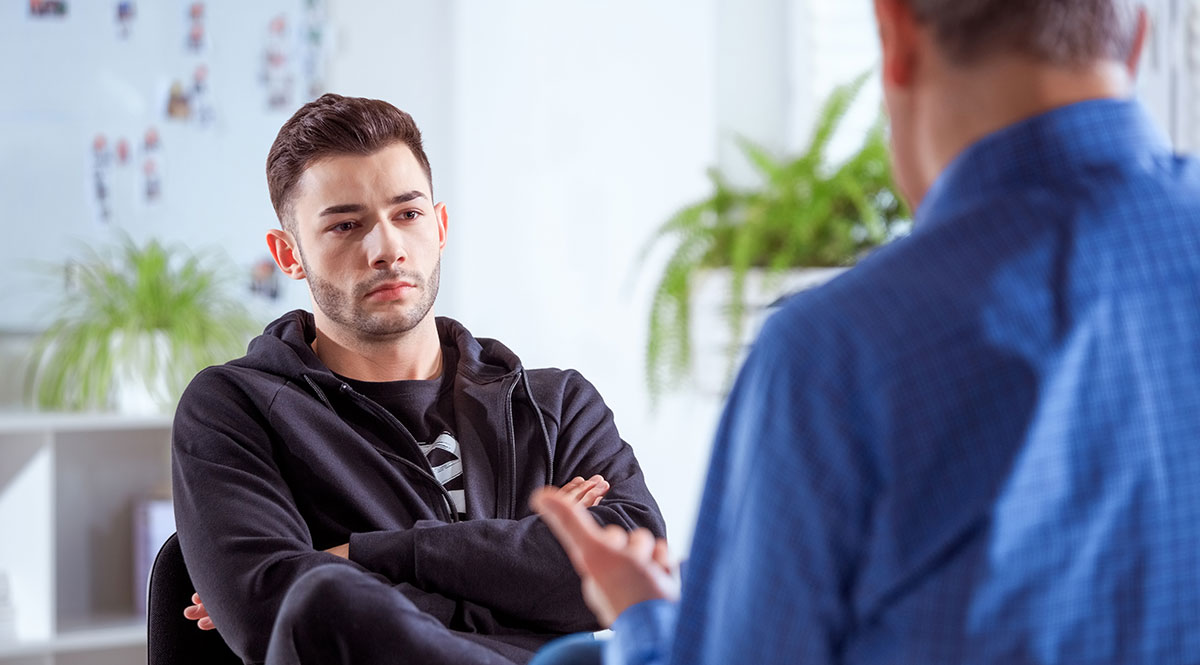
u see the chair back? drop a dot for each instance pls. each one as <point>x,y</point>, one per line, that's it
<point>173,639</point>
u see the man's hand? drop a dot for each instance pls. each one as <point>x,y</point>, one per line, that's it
<point>586,493</point>
<point>197,613</point>
<point>341,550</point>
<point>618,568</point>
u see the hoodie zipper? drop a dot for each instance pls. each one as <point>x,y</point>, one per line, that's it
<point>506,498</point>
<point>451,514</point>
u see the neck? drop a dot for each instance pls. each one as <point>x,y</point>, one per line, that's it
<point>412,355</point>
<point>974,101</point>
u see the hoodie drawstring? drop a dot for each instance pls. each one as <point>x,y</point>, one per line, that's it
<point>545,432</point>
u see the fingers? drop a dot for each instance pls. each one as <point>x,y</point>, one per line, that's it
<point>662,556</point>
<point>586,492</point>
<point>641,544</point>
<point>570,523</point>
<point>341,550</point>
<point>572,487</point>
<point>196,612</point>
<point>592,496</point>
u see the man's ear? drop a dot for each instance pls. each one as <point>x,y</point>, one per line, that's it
<point>443,222</point>
<point>1139,42</point>
<point>898,41</point>
<point>286,252</point>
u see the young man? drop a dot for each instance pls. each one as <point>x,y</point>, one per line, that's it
<point>355,489</point>
<point>980,445</point>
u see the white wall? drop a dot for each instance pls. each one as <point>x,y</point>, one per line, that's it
<point>580,127</point>
<point>755,91</point>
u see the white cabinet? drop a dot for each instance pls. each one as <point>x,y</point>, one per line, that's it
<point>69,485</point>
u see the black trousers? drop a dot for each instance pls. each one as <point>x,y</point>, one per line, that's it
<point>337,614</point>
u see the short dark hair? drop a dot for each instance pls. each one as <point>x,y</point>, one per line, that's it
<point>1060,32</point>
<point>335,125</point>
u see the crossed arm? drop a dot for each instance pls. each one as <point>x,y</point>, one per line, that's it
<point>579,493</point>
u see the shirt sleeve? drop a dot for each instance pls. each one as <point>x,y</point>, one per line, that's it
<point>784,509</point>
<point>642,634</point>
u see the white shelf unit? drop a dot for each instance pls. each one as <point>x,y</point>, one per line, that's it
<point>68,487</point>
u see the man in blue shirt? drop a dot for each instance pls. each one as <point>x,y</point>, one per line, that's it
<point>981,445</point>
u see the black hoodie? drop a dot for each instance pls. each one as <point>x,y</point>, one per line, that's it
<point>276,459</point>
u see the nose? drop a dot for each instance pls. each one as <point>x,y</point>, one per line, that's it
<point>385,246</point>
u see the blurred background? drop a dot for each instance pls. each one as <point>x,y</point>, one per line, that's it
<point>562,134</point>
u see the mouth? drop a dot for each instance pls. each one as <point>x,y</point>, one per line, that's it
<point>389,291</point>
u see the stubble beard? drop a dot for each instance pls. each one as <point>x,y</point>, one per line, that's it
<point>347,310</point>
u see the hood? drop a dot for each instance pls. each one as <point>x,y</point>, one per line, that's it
<point>285,349</point>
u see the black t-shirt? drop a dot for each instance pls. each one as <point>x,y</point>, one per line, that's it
<point>426,409</point>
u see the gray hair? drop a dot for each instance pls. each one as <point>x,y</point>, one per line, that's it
<point>1060,32</point>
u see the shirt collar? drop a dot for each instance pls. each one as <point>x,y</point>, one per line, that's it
<point>1075,137</point>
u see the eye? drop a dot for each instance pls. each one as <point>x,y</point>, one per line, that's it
<point>343,227</point>
<point>410,214</point>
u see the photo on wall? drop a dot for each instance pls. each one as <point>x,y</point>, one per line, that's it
<point>47,8</point>
<point>126,15</point>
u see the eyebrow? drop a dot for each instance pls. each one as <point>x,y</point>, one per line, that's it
<point>358,207</point>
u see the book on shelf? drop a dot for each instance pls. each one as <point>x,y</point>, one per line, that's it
<point>153,523</point>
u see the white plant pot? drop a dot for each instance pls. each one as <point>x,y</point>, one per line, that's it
<point>710,329</point>
<point>140,375</point>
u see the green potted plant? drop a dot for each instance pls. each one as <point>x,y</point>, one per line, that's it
<point>137,325</point>
<point>805,213</point>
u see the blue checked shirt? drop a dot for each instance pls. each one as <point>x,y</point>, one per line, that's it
<point>981,445</point>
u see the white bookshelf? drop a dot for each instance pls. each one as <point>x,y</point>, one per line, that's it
<point>68,487</point>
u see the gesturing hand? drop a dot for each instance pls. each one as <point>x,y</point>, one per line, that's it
<point>197,613</point>
<point>618,568</point>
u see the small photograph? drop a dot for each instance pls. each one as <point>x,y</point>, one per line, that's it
<point>122,151</point>
<point>151,142</point>
<point>264,279</point>
<point>151,180</point>
<point>101,179</point>
<point>195,36</point>
<point>126,13</point>
<point>200,98</point>
<point>47,8</point>
<point>276,76</point>
<point>189,99</point>
<point>315,50</point>
<point>179,103</point>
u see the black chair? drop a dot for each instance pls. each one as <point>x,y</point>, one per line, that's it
<point>173,638</point>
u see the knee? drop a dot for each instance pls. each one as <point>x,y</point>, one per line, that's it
<point>318,594</point>
<point>340,614</point>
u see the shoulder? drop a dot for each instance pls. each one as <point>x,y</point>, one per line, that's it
<point>559,390</point>
<point>567,398</point>
<point>223,383</point>
<point>224,398</point>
